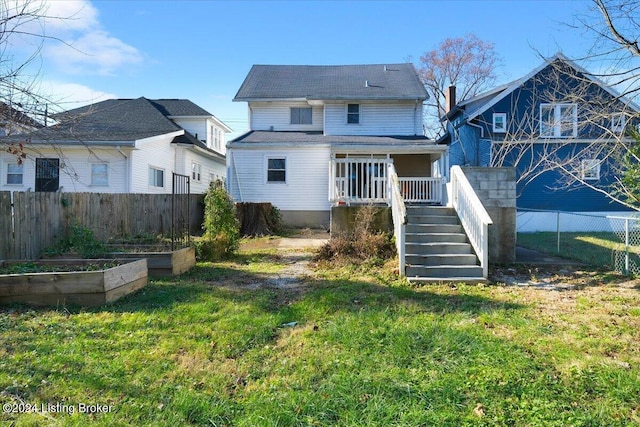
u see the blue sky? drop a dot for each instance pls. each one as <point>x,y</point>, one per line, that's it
<point>202,50</point>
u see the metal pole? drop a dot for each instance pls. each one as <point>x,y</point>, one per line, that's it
<point>626,246</point>
<point>558,229</point>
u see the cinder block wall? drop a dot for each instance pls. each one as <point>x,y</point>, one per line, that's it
<point>496,188</point>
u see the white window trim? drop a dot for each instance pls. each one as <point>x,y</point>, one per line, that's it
<point>266,169</point>
<point>588,165</point>
<point>359,114</point>
<point>557,125</point>
<point>91,174</point>
<point>21,174</point>
<point>164,176</point>
<point>618,122</point>
<point>300,108</point>
<point>504,122</point>
<point>196,169</point>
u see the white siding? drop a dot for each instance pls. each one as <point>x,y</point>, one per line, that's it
<point>196,127</point>
<point>157,152</point>
<point>278,114</point>
<point>391,118</point>
<point>75,169</point>
<point>307,172</point>
<point>209,168</point>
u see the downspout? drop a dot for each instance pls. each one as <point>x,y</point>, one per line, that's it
<point>478,144</point>
<point>235,170</point>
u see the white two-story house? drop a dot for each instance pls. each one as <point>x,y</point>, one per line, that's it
<point>322,136</point>
<point>118,146</point>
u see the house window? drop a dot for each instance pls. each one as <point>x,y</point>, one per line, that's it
<point>499,122</point>
<point>15,173</point>
<point>353,113</point>
<point>301,116</point>
<point>277,170</point>
<point>618,122</point>
<point>196,171</point>
<point>590,170</point>
<point>558,120</point>
<point>99,174</point>
<point>156,177</point>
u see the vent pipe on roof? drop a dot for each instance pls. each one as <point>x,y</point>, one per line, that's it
<point>366,83</point>
<point>385,68</point>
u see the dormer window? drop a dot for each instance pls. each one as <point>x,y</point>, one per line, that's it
<point>353,113</point>
<point>301,116</point>
<point>558,120</point>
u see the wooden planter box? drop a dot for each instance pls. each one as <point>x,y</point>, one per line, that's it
<point>164,263</point>
<point>86,288</point>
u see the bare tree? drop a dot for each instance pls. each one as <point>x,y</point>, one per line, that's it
<point>467,63</point>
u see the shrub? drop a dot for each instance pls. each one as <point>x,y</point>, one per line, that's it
<point>221,228</point>
<point>81,240</point>
<point>363,243</point>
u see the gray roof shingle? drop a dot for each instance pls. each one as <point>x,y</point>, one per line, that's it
<point>268,137</point>
<point>332,82</point>
<point>118,120</point>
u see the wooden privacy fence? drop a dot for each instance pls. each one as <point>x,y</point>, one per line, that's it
<point>33,221</point>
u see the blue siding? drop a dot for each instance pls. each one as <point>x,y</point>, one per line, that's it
<point>548,191</point>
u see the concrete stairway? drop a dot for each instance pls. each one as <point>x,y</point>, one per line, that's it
<point>437,248</point>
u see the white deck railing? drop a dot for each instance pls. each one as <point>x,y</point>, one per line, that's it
<point>399,214</point>
<point>473,216</point>
<point>421,190</point>
<point>359,180</point>
<point>365,180</point>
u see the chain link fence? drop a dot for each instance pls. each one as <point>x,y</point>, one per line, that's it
<point>610,241</point>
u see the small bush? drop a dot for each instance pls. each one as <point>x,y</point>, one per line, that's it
<point>221,228</point>
<point>81,240</point>
<point>363,243</point>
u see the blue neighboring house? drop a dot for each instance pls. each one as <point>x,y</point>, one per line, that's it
<point>544,121</point>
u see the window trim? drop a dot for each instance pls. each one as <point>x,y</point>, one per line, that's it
<point>503,116</point>
<point>590,165</point>
<point>196,171</point>
<point>275,157</point>
<point>21,174</point>
<point>92,175</point>
<point>155,168</point>
<point>355,114</point>
<point>621,125</point>
<point>556,129</point>
<point>300,116</point>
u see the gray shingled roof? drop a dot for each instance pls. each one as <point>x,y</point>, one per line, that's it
<point>270,137</point>
<point>332,82</point>
<point>118,120</point>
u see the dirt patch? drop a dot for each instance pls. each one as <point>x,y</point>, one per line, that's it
<point>558,277</point>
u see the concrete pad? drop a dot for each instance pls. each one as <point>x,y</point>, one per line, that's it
<point>530,256</point>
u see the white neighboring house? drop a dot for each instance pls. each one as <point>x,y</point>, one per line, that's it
<point>119,146</point>
<point>323,136</point>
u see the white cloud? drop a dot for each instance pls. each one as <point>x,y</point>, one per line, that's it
<point>96,51</point>
<point>67,96</point>
<point>83,45</point>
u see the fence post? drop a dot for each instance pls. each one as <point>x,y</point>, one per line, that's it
<point>626,246</point>
<point>558,230</point>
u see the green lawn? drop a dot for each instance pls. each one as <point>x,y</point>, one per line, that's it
<point>594,248</point>
<point>212,348</point>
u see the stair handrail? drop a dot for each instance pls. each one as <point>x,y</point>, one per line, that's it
<point>399,215</point>
<point>473,216</point>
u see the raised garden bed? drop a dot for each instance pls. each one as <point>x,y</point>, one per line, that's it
<point>86,286</point>
<point>160,261</point>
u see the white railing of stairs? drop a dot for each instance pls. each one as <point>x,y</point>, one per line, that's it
<point>473,216</point>
<point>399,214</point>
